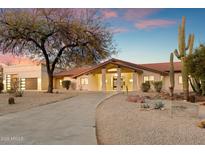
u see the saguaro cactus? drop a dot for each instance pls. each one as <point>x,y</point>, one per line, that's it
<point>182,55</point>
<point>171,75</point>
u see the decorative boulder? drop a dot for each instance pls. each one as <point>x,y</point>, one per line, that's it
<point>136,99</point>
<point>201,124</point>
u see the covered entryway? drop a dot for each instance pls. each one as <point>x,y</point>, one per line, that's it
<point>113,75</point>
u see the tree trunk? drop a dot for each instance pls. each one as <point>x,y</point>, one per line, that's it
<point>50,83</point>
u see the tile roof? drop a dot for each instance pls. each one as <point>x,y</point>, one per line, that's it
<point>137,67</point>
<point>163,66</point>
<point>72,72</point>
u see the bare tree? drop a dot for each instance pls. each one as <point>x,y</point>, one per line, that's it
<point>63,37</point>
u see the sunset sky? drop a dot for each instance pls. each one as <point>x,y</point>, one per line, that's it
<point>149,35</point>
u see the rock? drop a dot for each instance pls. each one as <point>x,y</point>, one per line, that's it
<point>136,99</point>
<point>201,124</point>
<point>11,100</point>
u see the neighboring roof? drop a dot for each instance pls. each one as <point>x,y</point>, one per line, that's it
<point>72,72</point>
<point>163,66</point>
<point>133,66</point>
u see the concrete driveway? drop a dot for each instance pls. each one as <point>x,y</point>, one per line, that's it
<point>71,121</point>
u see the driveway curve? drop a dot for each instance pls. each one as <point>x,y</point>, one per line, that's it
<point>71,121</point>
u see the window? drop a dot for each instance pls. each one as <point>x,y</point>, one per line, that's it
<point>148,78</point>
<point>151,78</point>
<point>60,82</point>
<point>84,81</point>
<point>180,79</point>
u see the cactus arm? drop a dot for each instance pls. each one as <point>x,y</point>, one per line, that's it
<point>191,44</point>
<point>179,40</point>
<point>177,54</point>
<point>183,36</point>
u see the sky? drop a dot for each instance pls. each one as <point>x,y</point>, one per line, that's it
<point>150,35</point>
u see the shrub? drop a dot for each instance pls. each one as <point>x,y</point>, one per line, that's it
<point>201,124</point>
<point>11,100</point>
<point>1,87</point>
<point>18,93</point>
<point>157,86</point>
<point>145,86</point>
<point>66,84</point>
<point>192,99</point>
<point>15,90</point>
<point>158,106</point>
<point>145,106</point>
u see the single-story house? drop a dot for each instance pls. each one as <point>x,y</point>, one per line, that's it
<point>111,75</point>
<point>119,75</point>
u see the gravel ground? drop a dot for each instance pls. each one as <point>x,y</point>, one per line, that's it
<point>30,100</point>
<point>122,122</point>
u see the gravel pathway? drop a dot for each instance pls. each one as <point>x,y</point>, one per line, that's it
<point>121,122</point>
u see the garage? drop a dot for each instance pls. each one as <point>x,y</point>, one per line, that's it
<point>31,84</point>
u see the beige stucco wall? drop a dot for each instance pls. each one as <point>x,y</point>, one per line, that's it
<point>95,82</point>
<point>178,86</point>
<point>29,71</point>
<point>157,77</point>
<point>44,78</point>
<point>78,83</point>
<point>24,71</point>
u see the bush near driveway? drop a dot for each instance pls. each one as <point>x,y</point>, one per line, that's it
<point>66,84</point>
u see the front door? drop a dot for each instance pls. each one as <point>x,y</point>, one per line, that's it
<point>115,83</point>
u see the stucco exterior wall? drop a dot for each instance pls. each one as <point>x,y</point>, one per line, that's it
<point>178,86</point>
<point>93,82</point>
<point>157,77</point>
<point>79,86</point>
<point>24,71</point>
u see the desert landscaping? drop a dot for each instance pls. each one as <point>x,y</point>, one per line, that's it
<point>119,121</point>
<point>31,99</point>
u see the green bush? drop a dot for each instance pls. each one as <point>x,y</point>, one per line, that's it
<point>1,87</point>
<point>157,86</point>
<point>66,84</point>
<point>145,106</point>
<point>11,100</point>
<point>158,106</point>
<point>145,87</point>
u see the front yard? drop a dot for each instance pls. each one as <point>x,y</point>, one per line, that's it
<point>30,100</point>
<point>121,122</point>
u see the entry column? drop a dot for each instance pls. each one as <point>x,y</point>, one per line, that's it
<point>134,78</point>
<point>119,79</point>
<point>103,79</point>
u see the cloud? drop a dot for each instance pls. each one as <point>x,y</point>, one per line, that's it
<point>119,30</point>
<point>139,13</point>
<point>9,59</point>
<point>107,13</point>
<point>154,23</point>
